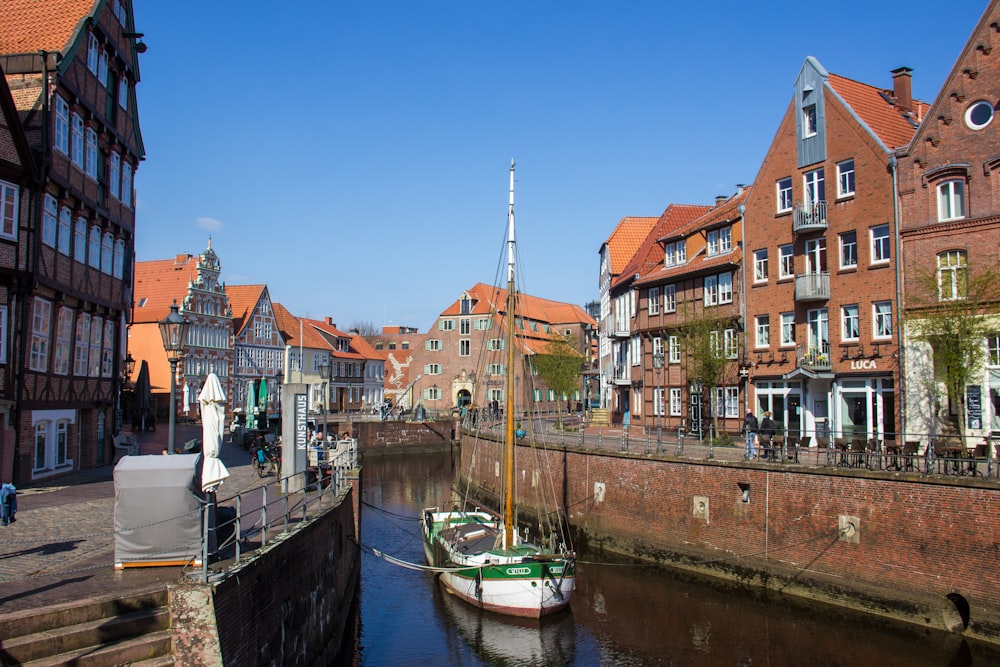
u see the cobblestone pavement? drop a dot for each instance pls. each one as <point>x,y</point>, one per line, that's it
<point>61,548</point>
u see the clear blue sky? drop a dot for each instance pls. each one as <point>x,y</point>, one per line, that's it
<point>353,155</point>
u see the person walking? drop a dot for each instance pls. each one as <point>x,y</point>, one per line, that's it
<point>750,432</point>
<point>8,504</point>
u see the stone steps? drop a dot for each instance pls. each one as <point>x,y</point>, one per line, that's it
<point>107,631</point>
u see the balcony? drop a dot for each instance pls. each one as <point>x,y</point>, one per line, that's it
<point>622,374</point>
<point>809,217</point>
<point>812,286</point>
<point>816,358</point>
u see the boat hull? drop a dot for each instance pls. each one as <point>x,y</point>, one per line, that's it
<point>519,582</point>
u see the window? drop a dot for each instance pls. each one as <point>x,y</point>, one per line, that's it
<point>107,252</point>
<point>120,13</point>
<point>711,290</point>
<point>951,200</point>
<point>495,344</point>
<point>657,346</point>
<point>787,329</point>
<point>77,140</point>
<point>731,399</point>
<point>466,305</point>
<point>979,114</point>
<point>653,300</point>
<point>880,244</point>
<point>65,230</point>
<point>49,221</point>
<point>815,256</point>
<point>123,92</point>
<point>676,402</point>
<point>464,348</point>
<point>809,121</point>
<point>992,347</point>
<point>96,335</point>
<point>108,349</point>
<point>465,326</point>
<point>730,344</point>
<point>92,48</point>
<point>762,325</point>
<point>3,334</point>
<point>496,369</point>
<point>80,241</point>
<point>760,266</point>
<point>658,404</point>
<point>814,186</point>
<point>850,322</point>
<point>674,350</point>
<point>40,318</point>
<point>118,264</point>
<point>718,289</point>
<point>882,311</point>
<point>719,241</point>
<point>848,250</point>
<point>126,183</point>
<point>669,298</point>
<point>952,275</point>
<point>102,67</point>
<point>62,126</point>
<point>64,341</point>
<point>9,196</point>
<point>786,261</point>
<point>94,247</point>
<point>432,369</point>
<point>432,393</point>
<point>114,174</point>
<point>845,178</point>
<point>446,325</point>
<point>784,186</point>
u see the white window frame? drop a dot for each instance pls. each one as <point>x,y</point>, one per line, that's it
<point>123,92</point>
<point>787,329</point>
<point>76,139</point>
<point>783,189</point>
<point>41,317</point>
<point>65,230</point>
<point>845,178</point>
<point>673,350</point>
<point>126,183</point>
<point>96,339</point>
<point>62,125</point>
<point>107,351</point>
<point>848,242</point>
<point>92,50</point>
<point>10,199</point>
<point>881,251</point>
<point>951,199</point>
<point>786,261</point>
<point>107,252</point>
<point>118,262</point>
<point>50,221</point>
<point>760,265</point>
<point>731,400</point>
<point>725,287</point>
<point>464,347</point>
<point>711,291</point>
<point>653,300</point>
<point>881,320</point>
<point>956,270</point>
<point>762,330</point>
<point>115,174</point>
<point>80,240</point>
<point>814,186</point>
<point>669,298</point>
<point>850,322</point>
<point>809,121</point>
<point>64,340</point>
<point>94,247</point>
<point>676,402</point>
<point>730,344</point>
<point>658,402</point>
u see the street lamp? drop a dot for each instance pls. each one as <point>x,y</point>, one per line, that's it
<point>173,330</point>
<point>324,372</point>
<point>128,365</point>
<point>658,365</point>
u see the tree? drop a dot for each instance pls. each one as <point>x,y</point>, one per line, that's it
<point>367,330</point>
<point>706,361</point>
<point>560,366</point>
<point>948,310</point>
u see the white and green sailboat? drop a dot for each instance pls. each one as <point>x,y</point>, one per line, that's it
<point>483,559</point>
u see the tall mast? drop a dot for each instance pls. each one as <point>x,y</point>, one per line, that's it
<point>508,451</point>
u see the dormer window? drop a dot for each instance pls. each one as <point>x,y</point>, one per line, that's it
<point>466,305</point>
<point>809,120</point>
<point>719,241</point>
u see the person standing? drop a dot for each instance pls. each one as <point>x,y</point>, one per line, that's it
<point>8,504</point>
<point>750,432</point>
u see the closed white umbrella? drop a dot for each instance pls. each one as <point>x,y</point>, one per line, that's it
<point>213,425</point>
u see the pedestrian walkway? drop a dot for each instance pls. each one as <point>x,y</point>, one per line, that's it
<point>61,548</point>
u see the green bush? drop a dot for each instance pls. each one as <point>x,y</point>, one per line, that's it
<point>723,440</point>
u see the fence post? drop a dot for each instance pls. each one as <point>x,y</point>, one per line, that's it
<point>204,541</point>
<point>237,526</point>
<point>263,518</point>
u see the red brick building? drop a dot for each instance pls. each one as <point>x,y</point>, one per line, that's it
<point>821,321</point>
<point>71,67</point>
<point>949,194</point>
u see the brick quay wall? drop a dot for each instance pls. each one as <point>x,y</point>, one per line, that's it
<point>921,549</point>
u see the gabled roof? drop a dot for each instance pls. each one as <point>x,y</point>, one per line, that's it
<point>628,235</point>
<point>243,299</point>
<point>648,254</point>
<point>870,104</point>
<point>34,25</point>
<point>488,299</point>
<point>159,283</point>
<point>321,327</point>
<point>294,331</point>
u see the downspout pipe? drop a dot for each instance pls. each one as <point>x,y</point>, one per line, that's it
<point>900,348</point>
<point>743,298</point>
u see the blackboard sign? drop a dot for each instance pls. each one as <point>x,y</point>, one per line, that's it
<point>974,405</point>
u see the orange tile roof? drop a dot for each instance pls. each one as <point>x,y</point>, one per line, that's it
<point>34,25</point>
<point>488,299</point>
<point>330,330</point>
<point>882,118</point>
<point>243,300</point>
<point>628,235</point>
<point>160,282</point>
<point>648,254</point>
<point>294,331</point>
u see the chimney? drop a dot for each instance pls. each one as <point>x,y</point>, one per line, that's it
<point>902,88</point>
<point>720,199</point>
<point>330,322</point>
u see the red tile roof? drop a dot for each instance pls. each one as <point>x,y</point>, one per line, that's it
<point>295,331</point>
<point>160,282</point>
<point>881,117</point>
<point>243,299</point>
<point>330,330</point>
<point>628,235</point>
<point>488,299</point>
<point>33,25</point>
<point>648,253</point>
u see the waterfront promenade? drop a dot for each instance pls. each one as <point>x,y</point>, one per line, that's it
<point>61,548</point>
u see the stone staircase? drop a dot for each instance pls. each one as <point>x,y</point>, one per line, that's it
<point>133,629</point>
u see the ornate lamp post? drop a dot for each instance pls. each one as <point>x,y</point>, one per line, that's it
<point>173,330</point>
<point>658,365</point>
<point>128,365</point>
<point>324,372</point>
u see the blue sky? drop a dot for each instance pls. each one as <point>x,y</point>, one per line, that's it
<point>354,155</point>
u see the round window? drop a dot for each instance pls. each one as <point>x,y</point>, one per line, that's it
<point>979,115</point>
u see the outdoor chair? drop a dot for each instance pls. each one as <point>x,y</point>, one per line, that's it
<point>910,448</point>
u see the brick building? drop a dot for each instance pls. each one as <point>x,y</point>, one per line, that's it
<point>821,318</point>
<point>259,349</point>
<point>71,68</point>
<point>949,193</point>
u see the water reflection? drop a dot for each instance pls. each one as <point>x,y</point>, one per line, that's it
<point>621,614</point>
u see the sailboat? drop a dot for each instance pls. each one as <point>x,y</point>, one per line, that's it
<point>484,559</point>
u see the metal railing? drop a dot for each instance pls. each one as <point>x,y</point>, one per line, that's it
<point>809,216</point>
<point>812,286</point>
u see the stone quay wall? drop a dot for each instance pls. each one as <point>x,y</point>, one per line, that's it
<point>290,604</point>
<point>904,546</point>
<point>391,437</point>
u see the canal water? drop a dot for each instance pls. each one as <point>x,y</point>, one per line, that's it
<point>622,614</point>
